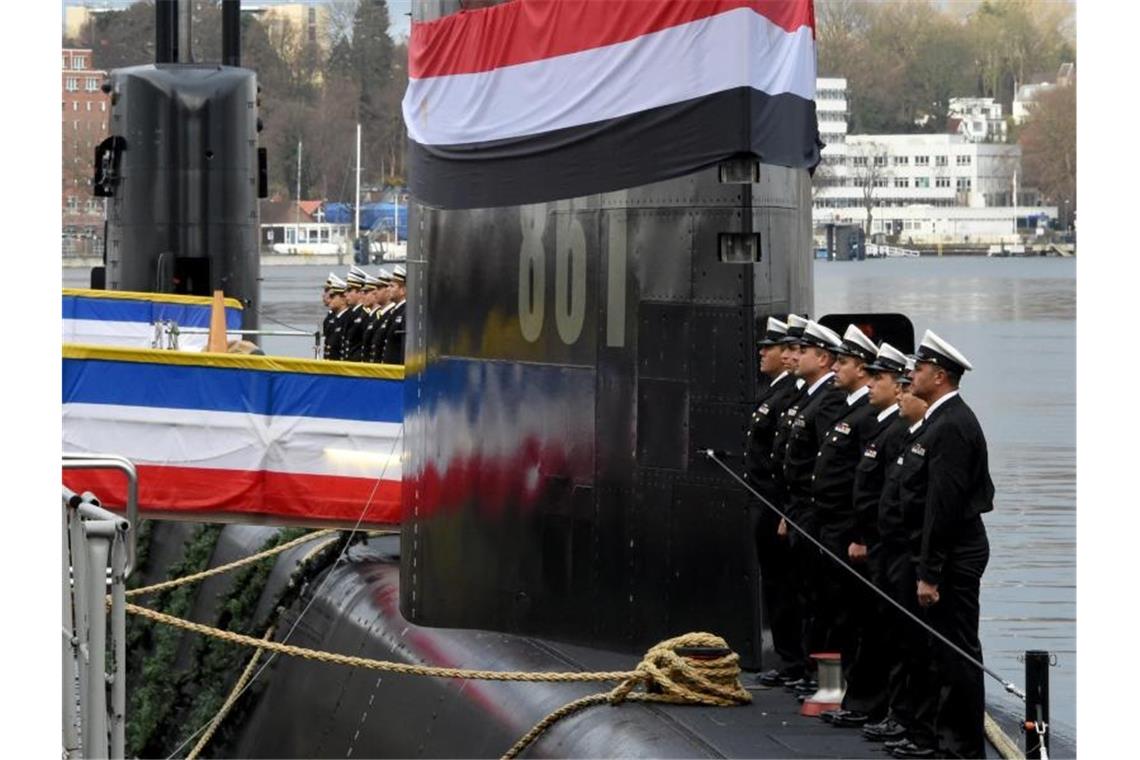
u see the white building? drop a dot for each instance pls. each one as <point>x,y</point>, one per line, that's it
<point>937,187</point>
<point>977,119</point>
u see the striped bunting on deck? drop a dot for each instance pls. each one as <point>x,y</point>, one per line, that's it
<point>219,433</point>
<point>124,318</point>
<point>535,100</point>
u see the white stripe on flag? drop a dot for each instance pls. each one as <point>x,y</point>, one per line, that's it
<point>235,440</point>
<point>734,49</point>
<point>99,332</point>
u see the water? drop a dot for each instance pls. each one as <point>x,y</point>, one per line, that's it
<point>1015,319</point>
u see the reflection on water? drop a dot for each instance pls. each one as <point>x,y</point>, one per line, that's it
<point>1015,319</point>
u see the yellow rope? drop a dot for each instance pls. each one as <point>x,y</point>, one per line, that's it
<point>1005,746</point>
<point>229,703</point>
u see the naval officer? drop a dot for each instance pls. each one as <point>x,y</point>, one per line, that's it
<point>821,406</point>
<point>354,332</point>
<point>952,549</point>
<point>776,394</point>
<point>396,329</point>
<point>338,304</point>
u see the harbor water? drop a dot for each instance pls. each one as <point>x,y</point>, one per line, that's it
<point>1015,319</point>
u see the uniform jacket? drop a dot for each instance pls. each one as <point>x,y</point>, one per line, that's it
<point>833,476</point>
<point>882,448</point>
<point>354,333</point>
<point>958,483</point>
<point>374,348</point>
<point>814,419</point>
<point>773,402</point>
<point>394,338</point>
<point>796,399</point>
<point>327,330</point>
<point>335,347</point>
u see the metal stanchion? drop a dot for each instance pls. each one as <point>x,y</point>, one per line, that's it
<point>1037,704</point>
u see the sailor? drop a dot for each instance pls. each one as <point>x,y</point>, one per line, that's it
<point>396,331</point>
<point>951,479</point>
<point>790,354</point>
<point>375,349</point>
<point>778,389</point>
<point>378,300</point>
<point>865,698</point>
<point>334,335</point>
<point>330,317</point>
<point>819,409</point>
<point>838,596</point>
<point>910,707</point>
<point>354,333</point>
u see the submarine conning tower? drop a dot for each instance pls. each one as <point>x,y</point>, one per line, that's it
<point>567,362</point>
<point>182,169</point>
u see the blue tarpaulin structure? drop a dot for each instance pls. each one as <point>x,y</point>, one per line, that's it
<point>373,216</point>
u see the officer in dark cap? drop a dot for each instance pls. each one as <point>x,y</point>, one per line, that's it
<point>380,307</point>
<point>951,481</point>
<point>776,393</point>
<point>821,406</point>
<point>868,660</point>
<point>334,335</point>
<point>397,327</point>
<point>838,597</point>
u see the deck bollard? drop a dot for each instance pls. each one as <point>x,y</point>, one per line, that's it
<point>829,696</point>
<point>1036,704</point>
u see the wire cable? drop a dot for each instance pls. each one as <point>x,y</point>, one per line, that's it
<point>1008,685</point>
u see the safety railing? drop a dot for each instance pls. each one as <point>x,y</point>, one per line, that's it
<point>167,332</point>
<point>95,541</point>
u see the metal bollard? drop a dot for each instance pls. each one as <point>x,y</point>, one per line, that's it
<point>831,687</point>
<point>1036,704</point>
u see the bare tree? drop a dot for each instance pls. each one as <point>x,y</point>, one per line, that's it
<point>869,171</point>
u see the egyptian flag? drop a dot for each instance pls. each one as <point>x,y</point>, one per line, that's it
<point>536,100</point>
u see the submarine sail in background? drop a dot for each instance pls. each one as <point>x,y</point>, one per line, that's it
<point>609,198</point>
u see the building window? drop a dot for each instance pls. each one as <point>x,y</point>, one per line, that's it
<point>103,105</point>
<point>880,160</point>
<point>92,84</point>
<point>940,161</point>
<point>72,84</point>
<point>963,160</point>
<point>860,161</point>
<point>78,62</point>
<point>922,160</point>
<point>880,182</point>
<point>72,203</point>
<point>922,182</point>
<point>902,182</point>
<point>88,105</point>
<point>902,160</point>
<point>963,183</point>
<point>942,182</point>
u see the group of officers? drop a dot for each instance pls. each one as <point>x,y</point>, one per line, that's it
<point>366,320</point>
<point>874,454</point>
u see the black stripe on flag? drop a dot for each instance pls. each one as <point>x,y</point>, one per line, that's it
<point>644,147</point>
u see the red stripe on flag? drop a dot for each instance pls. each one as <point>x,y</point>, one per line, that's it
<point>531,30</point>
<point>186,490</point>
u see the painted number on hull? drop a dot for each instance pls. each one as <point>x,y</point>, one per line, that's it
<point>569,277</point>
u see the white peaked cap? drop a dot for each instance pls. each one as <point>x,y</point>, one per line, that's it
<point>890,359</point>
<point>795,320</point>
<point>816,334</point>
<point>336,282</point>
<point>775,325</point>
<point>937,351</point>
<point>856,343</point>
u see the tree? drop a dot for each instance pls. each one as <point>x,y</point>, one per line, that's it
<point>1049,148</point>
<point>869,171</point>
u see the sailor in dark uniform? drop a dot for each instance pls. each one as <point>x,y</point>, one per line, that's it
<point>908,686</point>
<point>950,477</point>
<point>777,391</point>
<point>821,406</point>
<point>839,597</point>
<point>397,327</point>
<point>330,316</point>
<point>354,333</point>
<point>379,301</point>
<point>334,337</point>
<point>865,698</point>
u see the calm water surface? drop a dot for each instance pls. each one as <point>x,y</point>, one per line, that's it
<point>1015,319</point>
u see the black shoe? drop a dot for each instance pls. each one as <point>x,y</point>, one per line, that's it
<point>887,730</point>
<point>791,684</point>
<point>910,749</point>
<point>897,743</point>
<point>829,716</point>
<point>809,688</point>
<point>770,678</point>
<point>849,719</point>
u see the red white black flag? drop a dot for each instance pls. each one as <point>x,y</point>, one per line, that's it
<point>535,100</point>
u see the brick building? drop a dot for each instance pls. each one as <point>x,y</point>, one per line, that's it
<point>86,113</point>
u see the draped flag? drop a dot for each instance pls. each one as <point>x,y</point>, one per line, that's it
<point>315,442</point>
<point>123,318</point>
<point>536,100</point>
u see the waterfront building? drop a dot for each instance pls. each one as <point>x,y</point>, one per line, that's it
<point>86,111</point>
<point>977,119</point>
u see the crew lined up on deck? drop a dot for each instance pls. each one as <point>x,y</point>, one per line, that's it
<point>877,456</point>
<point>366,320</point>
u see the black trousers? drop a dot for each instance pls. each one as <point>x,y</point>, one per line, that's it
<point>780,604</point>
<point>807,581</point>
<point>911,694</point>
<point>864,645</point>
<point>959,723</point>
